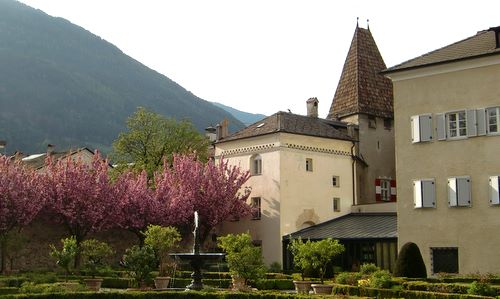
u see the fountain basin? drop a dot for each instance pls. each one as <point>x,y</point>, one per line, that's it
<point>196,260</point>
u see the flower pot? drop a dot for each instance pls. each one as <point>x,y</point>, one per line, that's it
<point>322,289</point>
<point>302,286</point>
<point>161,282</point>
<point>93,284</point>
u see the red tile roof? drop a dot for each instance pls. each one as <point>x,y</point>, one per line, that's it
<point>362,89</point>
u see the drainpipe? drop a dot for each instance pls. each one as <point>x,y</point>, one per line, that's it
<point>353,173</point>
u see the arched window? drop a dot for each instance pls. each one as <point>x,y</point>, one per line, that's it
<point>256,165</point>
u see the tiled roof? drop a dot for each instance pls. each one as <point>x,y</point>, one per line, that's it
<point>361,88</point>
<point>482,44</point>
<point>352,226</point>
<point>294,124</point>
<point>37,161</point>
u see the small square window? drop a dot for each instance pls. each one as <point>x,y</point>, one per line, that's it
<point>387,123</point>
<point>309,164</point>
<point>372,122</point>
<point>444,260</point>
<point>256,208</point>
<point>335,181</point>
<point>336,204</point>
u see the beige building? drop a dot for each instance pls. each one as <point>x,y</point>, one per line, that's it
<point>447,115</point>
<point>301,170</point>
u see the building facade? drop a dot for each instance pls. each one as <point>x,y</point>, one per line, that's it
<point>447,115</point>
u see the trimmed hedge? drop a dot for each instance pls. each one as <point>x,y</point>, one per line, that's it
<point>217,283</point>
<point>391,293</point>
<point>162,295</point>
<point>8,290</point>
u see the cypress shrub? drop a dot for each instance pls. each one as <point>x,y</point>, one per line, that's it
<point>410,262</point>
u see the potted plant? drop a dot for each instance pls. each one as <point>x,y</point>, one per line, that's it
<point>316,256</point>
<point>95,253</point>
<point>66,255</point>
<point>243,259</point>
<point>139,261</point>
<point>162,240</point>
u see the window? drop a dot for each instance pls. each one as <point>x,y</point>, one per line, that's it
<point>336,204</point>
<point>421,128</point>
<point>493,120</point>
<point>385,190</point>
<point>444,260</point>
<point>256,212</point>
<point>372,122</point>
<point>256,165</point>
<point>336,181</point>
<point>459,191</point>
<point>494,190</point>
<point>387,123</point>
<point>424,193</point>
<point>456,124</point>
<point>309,164</point>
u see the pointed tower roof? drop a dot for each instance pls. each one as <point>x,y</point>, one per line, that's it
<point>362,88</point>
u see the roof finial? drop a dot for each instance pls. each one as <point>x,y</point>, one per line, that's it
<point>368,24</point>
<point>357,22</point>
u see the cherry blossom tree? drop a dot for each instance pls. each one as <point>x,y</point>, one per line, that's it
<point>214,189</point>
<point>80,196</point>
<point>137,206</point>
<point>21,199</point>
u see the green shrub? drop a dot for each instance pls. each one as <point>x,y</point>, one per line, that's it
<point>94,253</point>
<point>163,240</point>
<point>8,290</point>
<point>481,288</point>
<point>66,255</point>
<point>140,261</point>
<point>410,262</point>
<point>381,279</point>
<point>274,267</point>
<point>33,288</point>
<point>368,269</point>
<point>116,283</point>
<point>350,278</point>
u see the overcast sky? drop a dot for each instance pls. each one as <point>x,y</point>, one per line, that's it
<point>264,56</point>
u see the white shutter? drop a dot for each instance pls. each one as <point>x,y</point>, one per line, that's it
<point>429,194</point>
<point>378,190</point>
<point>471,122</point>
<point>494,190</point>
<point>463,188</point>
<point>415,129</point>
<point>417,194</point>
<point>452,192</point>
<point>481,121</point>
<point>441,126</point>
<point>425,122</point>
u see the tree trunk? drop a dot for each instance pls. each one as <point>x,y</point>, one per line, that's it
<point>78,255</point>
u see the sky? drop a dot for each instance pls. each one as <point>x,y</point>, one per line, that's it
<point>265,56</point>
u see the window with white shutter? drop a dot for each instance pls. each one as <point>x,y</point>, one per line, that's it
<point>421,128</point>
<point>456,124</point>
<point>471,122</point>
<point>494,190</point>
<point>493,120</point>
<point>481,121</point>
<point>424,193</point>
<point>459,192</point>
<point>385,190</point>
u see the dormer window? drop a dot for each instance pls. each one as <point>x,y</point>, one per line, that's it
<point>256,165</point>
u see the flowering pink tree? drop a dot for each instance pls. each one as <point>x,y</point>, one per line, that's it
<point>21,198</point>
<point>136,204</point>
<point>215,190</point>
<point>80,196</point>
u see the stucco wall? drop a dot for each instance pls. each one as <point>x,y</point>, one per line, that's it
<point>291,197</point>
<point>474,229</point>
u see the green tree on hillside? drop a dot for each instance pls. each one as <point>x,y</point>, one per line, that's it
<point>152,137</point>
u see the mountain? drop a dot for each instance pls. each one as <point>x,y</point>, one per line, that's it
<point>245,117</point>
<point>63,85</point>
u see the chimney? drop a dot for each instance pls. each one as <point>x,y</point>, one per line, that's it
<point>50,149</point>
<point>312,107</point>
<point>211,133</point>
<point>496,31</point>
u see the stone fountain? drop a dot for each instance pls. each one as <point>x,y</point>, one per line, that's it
<point>196,258</point>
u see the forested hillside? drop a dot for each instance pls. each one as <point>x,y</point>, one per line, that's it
<point>61,84</point>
